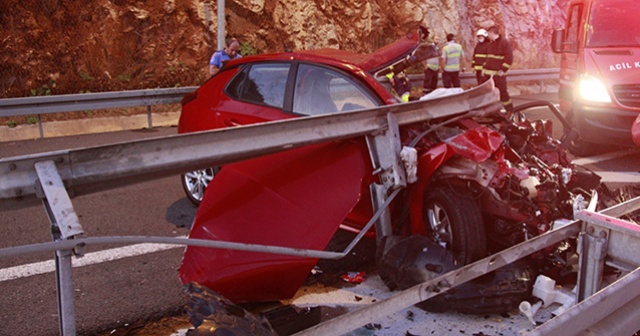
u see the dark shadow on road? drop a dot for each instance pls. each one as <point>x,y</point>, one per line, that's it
<point>181,213</point>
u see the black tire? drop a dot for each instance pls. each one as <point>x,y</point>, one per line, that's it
<point>195,183</point>
<point>579,146</point>
<point>454,220</point>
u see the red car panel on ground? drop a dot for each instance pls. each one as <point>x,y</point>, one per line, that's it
<point>295,199</point>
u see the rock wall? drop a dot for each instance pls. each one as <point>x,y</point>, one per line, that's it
<point>63,47</point>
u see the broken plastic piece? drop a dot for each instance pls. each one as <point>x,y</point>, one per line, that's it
<point>409,156</point>
<point>545,289</point>
<point>529,310</point>
<point>354,277</point>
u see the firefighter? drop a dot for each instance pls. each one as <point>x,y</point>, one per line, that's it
<point>480,55</point>
<point>499,60</point>
<point>400,84</point>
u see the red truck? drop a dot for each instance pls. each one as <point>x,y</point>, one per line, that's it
<point>600,71</point>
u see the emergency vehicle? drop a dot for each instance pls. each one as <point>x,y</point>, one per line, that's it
<point>600,71</point>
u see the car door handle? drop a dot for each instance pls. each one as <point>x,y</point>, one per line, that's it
<point>232,122</point>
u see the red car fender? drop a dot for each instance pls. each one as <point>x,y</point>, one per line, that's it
<point>428,163</point>
<point>477,144</point>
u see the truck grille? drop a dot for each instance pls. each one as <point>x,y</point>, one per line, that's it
<point>628,94</point>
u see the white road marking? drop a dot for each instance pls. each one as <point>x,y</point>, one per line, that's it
<point>604,157</point>
<point>619,177</point>
<point>48,266</point>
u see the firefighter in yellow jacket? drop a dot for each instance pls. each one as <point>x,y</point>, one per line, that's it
<point>499,60</point>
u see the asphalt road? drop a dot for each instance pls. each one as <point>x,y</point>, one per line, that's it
<point>107,294</point>
<point>110,295</point>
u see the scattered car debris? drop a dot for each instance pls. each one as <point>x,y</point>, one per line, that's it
<point>211,314</point>
<point>354,277</point>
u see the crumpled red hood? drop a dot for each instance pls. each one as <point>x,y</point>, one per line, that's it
<point>297,198</point>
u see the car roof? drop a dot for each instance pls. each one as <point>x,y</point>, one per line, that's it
<point>371,63</point>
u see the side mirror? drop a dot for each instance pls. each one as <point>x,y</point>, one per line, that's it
<point>557,41</point>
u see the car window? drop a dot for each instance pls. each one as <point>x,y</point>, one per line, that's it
<point>261,84</point>
<point>321,90</point>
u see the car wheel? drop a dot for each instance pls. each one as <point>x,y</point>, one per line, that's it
<point>580,147</point>
<point>454,220</point>
<point>195,183</point>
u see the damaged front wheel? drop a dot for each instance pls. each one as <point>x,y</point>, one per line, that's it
<point>454,220</point>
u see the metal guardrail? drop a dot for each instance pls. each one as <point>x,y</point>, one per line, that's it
<point>91,101</point>
<point>469,78</point>
<point>94,169</point>
<point>95,101</point>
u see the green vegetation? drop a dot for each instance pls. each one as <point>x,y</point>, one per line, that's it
<point>247,49</point>
<point>12,123</point>
<point>124,78</point>
<point>85,76</point>
<point>32,120</point>
<point>45,89</point>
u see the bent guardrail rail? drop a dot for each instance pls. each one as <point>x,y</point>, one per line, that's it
<point>98,168</point>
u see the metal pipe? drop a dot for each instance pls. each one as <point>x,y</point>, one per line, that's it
<point>86,241</point>
<point>221,24</point>
<point>64,284</point>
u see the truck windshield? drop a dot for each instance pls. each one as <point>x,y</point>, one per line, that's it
<point>614,23</point>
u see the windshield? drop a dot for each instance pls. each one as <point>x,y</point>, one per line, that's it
<point>614,23</point>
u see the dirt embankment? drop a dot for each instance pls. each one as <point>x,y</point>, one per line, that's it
<point>62,47</point>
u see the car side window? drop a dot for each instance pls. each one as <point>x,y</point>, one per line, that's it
<point>320,90</point>
<point>261,84</point>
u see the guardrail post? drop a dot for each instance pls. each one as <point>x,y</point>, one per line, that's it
<point>384,149</point>
<point>149,121</point>
<point>592,246</point>
<point>64,225</point>
<point>40,126</point>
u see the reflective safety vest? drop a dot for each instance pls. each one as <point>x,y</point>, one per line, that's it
<point>433,64</point>
<point>451,53</point>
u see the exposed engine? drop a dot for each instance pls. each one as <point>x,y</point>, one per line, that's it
<point>523,182</point>
<point>526,184</point>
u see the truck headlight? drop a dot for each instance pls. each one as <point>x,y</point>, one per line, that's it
<point>592,89</point>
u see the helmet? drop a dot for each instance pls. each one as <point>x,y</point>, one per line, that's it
<point>482,32</point>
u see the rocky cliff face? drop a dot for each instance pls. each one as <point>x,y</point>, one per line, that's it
<point>104,45</point>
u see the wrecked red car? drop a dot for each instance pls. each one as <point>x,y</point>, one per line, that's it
<point>480,181</point>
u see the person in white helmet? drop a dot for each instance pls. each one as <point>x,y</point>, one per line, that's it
<point>480,55</point>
